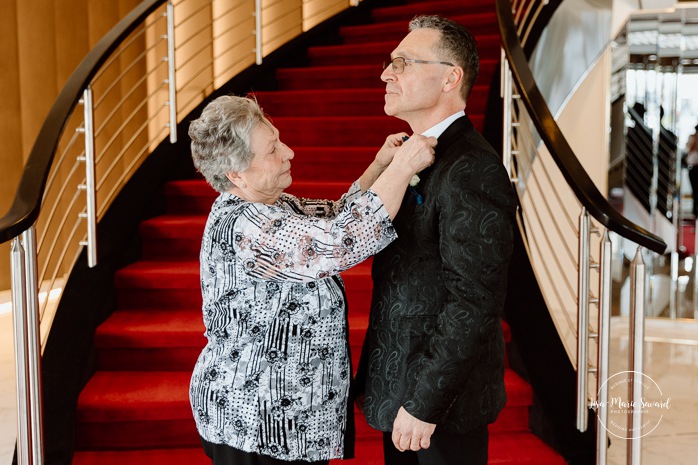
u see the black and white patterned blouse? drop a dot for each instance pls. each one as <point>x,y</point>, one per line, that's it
<point>274,376</point>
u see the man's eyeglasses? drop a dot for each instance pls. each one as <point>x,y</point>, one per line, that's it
<point>398,63</point>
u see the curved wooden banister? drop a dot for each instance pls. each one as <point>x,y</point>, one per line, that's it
<point>27,201</point>
<point>576,176</point>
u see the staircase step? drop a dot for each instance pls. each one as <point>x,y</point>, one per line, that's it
<point>355,76</point>
<point>159,283</point>
<point>514,416</point>
<point>514,449</point>
<point>342,131</point>
<point>331,77</point>
<point>150,339</point>
<point>172,339</point>
<point>442,8</point>
<point>196,196</point>
<point>156,404</point>
<point>124,410</point>
<point>477,24</point>
<point>343,102</point>
<point>340,102</point>
<point>374,53</point>
<point>377,52</point>
<point>522,448</point>
<point>172,237</point>
<point>179,456</point>
<point>175,284</point>
<point>338,130</point>
<point>338,164</point>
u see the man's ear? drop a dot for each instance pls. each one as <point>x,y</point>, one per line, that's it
<point>454,79</point>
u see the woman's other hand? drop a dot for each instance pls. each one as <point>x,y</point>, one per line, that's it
<point>416,153</point>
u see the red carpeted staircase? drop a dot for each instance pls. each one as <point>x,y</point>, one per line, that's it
<point>135,409</point>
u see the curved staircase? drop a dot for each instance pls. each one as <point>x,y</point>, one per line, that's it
<point>135,408</point>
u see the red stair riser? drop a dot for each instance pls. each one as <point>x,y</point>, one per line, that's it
<point>477,24</point>
<point>137,435</point>
<point>442,8</point>
<point>338,131</point>
<point>377,52</point>
<point>355,76</point>
<point>191,456</point>
<point>141,359</point>
<point>343,102</point>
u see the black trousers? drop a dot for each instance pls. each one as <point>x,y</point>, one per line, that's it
<point>220,454</point>
<point>445,449</point>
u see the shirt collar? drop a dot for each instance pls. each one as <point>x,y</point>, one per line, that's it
<point>439,128</point>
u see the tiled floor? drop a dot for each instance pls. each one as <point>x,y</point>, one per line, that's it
<point>671,361</point>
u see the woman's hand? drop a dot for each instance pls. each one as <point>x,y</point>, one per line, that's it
<point>415,154</point>
<point>383,159</point>
<point>387,151</point>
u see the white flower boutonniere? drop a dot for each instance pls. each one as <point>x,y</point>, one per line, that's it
<point>414,181</point>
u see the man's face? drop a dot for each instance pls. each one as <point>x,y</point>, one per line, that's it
<point>415,93</point>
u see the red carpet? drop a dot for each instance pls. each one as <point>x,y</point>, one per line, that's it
<point>135,409</point>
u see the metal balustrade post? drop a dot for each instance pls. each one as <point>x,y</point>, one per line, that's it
<point>258,31</point>
<point>583,321</point>
<point>638,302</point>
<point>604,344</point>
<point>90,186</point>
<point>505,93</point>
<point>19,299</point>
<point>33,345</point>
<point>171,72</point>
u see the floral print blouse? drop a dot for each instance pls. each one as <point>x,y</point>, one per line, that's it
<point>274,376</point>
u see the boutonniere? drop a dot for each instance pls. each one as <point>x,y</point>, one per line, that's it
<point>414,181</point>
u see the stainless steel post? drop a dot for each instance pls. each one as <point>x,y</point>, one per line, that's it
<point>583,322</point>
<point>604,342</point>
<point>33,346</point>
<point>258,31</point>
<point>90,186</point>
<point>505,93</point>
<point>19,298</point>
<point>171,72</point>
<point>635,354</point>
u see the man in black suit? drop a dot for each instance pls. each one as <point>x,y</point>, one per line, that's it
<point>432,370</point>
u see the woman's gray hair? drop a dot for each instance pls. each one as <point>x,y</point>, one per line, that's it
<point>221,138</point>
<point>457,44</point>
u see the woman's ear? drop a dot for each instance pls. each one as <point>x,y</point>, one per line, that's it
<point>234,177</point>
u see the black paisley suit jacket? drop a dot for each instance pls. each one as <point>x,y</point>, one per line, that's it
<point>434,343</point>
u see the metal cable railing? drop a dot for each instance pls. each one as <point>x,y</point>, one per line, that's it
<point>128,94</point>
<point>566,224</point>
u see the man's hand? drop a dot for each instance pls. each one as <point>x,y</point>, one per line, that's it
<point>409,433</point>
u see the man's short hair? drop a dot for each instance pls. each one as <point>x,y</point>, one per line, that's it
<point>457,45</point>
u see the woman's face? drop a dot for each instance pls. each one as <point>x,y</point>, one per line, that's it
<point>269,172</point>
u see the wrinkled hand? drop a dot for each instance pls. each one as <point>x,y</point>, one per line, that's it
<point>409,433</point>
<point>416,153</point>
<point>387,151</point>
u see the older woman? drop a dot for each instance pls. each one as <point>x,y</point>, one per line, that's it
<point>272,383</point>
